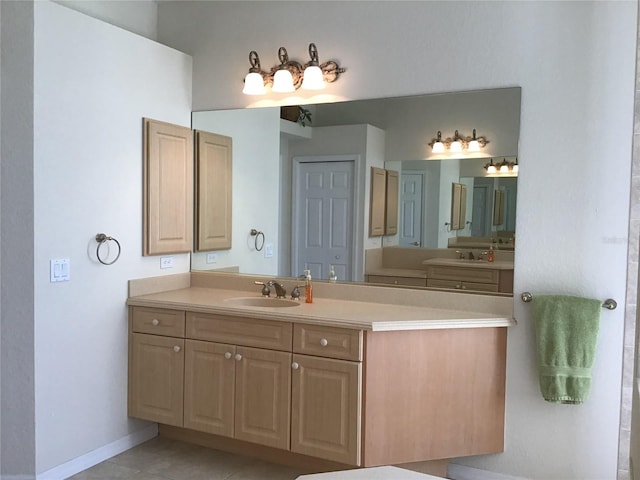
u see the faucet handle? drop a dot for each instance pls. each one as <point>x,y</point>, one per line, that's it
<point>266,291</point>
<point>295,293</point>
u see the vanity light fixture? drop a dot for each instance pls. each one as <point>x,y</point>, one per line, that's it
<point>290,75</point>
<point>458,143</point>
<point>502,169</point>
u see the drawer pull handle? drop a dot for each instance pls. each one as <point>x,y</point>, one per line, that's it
<point>176,349</point>
<point>228,355</point>
<point>155,322</point>
<point>295,365</point>
<point>324,342</point>
<point>238,357</point>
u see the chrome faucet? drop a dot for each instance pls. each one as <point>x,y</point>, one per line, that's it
<point>280,290</point>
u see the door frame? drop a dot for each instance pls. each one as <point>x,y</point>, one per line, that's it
<point>357,257</point>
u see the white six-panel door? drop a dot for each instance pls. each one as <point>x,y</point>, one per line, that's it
<point>323,217</point>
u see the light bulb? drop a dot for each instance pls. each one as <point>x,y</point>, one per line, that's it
<point>283,81</point>
<point>253,84</point>
<point>438,147</point>
<point>313,78</point>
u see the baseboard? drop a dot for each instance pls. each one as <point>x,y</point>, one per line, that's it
<point>462,472</point>
<point>96,456</point>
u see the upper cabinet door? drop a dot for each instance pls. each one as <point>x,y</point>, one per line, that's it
<point>378,201</point>
<point>168,188</point>
<point>391,204</point>
<point>213,191</point>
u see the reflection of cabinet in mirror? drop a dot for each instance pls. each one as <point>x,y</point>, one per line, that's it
<point>168,188</point>
<point>213,191</point>
<point>458,206</point>
<point>383,213</point>
<point>498,207</point>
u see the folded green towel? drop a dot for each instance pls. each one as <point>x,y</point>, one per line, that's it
<point>566,335</point>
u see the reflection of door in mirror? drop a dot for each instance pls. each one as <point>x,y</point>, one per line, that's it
<point>411,208</point>
<point>323,210</point>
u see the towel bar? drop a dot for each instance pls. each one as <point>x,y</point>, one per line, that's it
<point>609,303</point>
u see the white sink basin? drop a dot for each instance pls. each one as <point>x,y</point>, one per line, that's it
<point>262,302</point>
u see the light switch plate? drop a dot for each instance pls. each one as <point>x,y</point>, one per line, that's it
<point>166,262</point>
<point>60,270</point>
<point>212,257</point>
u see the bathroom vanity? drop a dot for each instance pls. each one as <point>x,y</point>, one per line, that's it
<point>346,379</point>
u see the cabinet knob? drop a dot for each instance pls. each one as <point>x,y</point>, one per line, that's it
<point>238,357</point>
<point>295,365</point>
<point>176,349</point>
<point>457,286</point>
<point>155,322</point>
<point>395,282</point>
<point>324,342</point>
<point>227,355</point>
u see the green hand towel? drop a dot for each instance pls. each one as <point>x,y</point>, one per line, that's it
<point>566,335</point>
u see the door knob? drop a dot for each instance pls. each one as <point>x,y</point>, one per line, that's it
<point>416,244</point>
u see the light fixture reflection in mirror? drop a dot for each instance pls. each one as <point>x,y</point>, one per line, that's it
<point>403,124</point>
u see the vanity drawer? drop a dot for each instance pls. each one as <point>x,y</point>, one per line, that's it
<point>391,280</point>
<point>463,274</point>
<point>478,287</point>
<point>158,321</point>
<point>250,332</point>
<point>329,342</point>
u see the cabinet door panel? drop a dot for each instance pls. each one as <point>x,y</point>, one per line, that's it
<point>209,387</point>
<point>325,408</point>
<point>156,373</point>
<point>213,199</point>
<point>377,202</point>
<point>263,392</point>
<point>168,188</point>
<point>391,204</point>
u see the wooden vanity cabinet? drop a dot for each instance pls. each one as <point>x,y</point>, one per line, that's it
<point>470,279</point>
<point>326,398</point>
<point>297,391</point>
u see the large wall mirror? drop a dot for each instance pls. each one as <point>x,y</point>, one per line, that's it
<point>309,186</point>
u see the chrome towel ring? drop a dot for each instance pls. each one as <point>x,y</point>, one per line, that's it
<point>102,239</point>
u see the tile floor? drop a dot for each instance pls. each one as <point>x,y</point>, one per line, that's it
<point>164,459</point>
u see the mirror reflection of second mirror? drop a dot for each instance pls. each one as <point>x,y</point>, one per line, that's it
<point>308,187</point>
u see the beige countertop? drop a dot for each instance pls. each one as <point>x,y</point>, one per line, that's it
<point>455,262</point>
<point>398,272</point>
<point>323,311</point>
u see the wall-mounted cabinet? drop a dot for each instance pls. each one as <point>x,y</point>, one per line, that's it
<point>458,206</point>
<point>383,207</point>
<point>168,188</point>
<point>213,191</point>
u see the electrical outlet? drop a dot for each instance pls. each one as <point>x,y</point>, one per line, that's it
<point>268,250</point>
<point>166,262</point>
<point>212,257</point>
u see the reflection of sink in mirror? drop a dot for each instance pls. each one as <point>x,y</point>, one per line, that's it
<point>262,302</point>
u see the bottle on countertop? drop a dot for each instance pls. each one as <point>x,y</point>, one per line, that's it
<point>308,287</point>
<point>333,278</point>
<point>491,255</point>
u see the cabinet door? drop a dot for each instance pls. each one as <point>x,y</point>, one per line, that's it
<point>209,387</point>
<point>263,392</point>
<point>168,188</point>
<point>156,373</point>
<point>326,408</point>
<point>213,196</point>
<point>391,204</point>
<point>377,203</point>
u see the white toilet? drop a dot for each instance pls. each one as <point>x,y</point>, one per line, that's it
<point>373,473</point>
